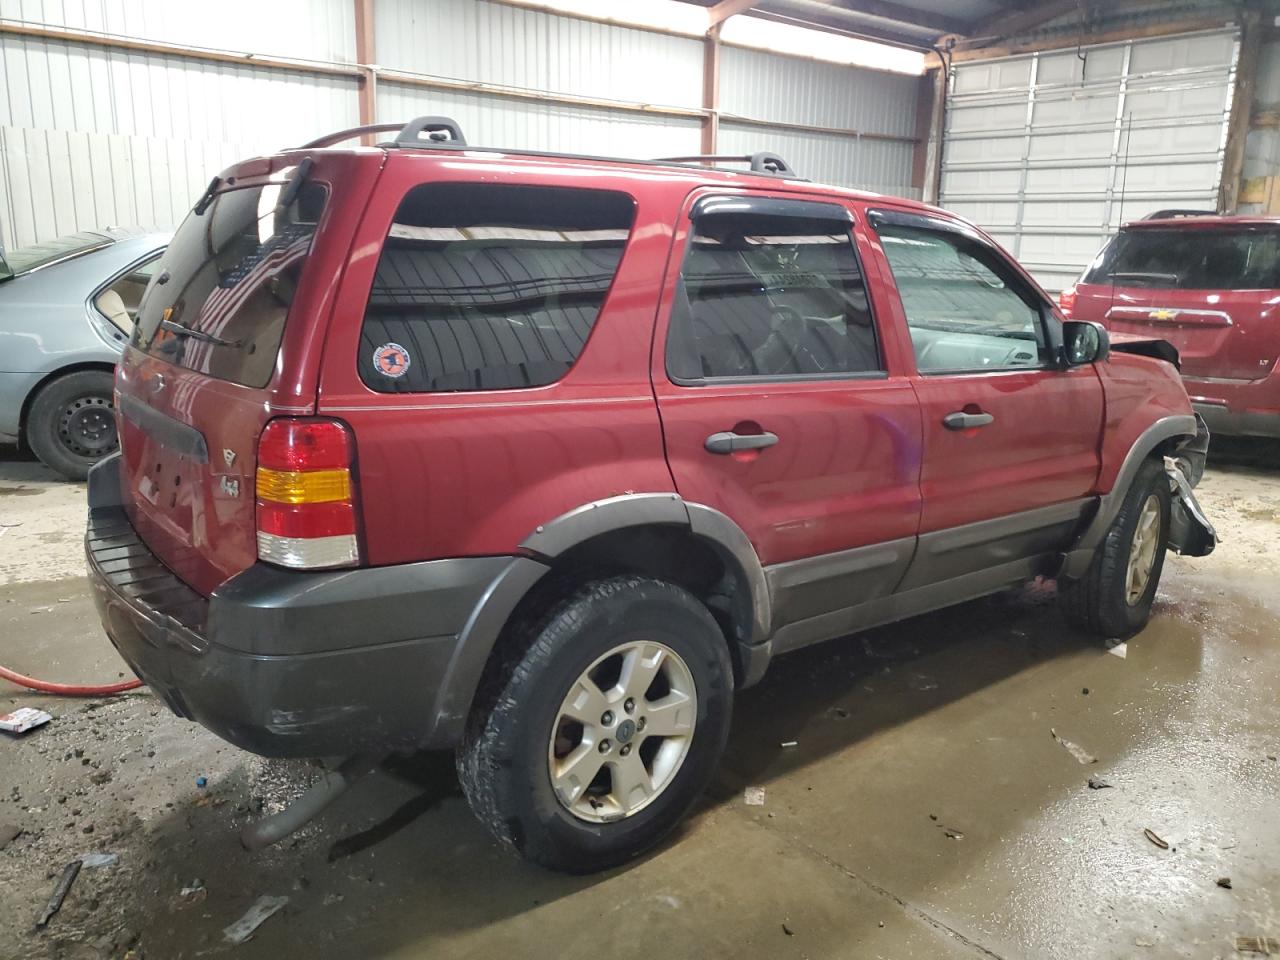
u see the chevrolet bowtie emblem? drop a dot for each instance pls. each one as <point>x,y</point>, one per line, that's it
<point>1162,315</point>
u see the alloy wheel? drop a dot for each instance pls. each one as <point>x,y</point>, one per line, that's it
<point>622,732</point>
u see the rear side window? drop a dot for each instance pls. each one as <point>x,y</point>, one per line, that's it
<point>1190,259</point>
<point>770,296</point>
<point>220,295</point>
<point>490,286</point>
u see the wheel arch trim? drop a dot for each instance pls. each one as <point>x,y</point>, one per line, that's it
<point>1076,561</point>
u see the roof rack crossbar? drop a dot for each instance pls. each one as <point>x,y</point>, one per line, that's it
<point>761,162</point>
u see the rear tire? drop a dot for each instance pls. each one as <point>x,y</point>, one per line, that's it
<point>1113,599</point>
<point>523,751</point>
<point>71,424</point>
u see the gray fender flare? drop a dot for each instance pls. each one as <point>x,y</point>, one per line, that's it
<point>1075,563</point>
<point>550,540</point>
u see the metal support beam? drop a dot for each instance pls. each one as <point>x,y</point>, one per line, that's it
<point>1241,111</point>
<point>1012,24</point>
<point>897,13</point>
<point>725,9</point>
<point>711,90</point>
<point>365,56</point>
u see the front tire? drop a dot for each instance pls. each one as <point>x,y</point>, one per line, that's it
<point>71,424</point>
<point>1113,599</point>
<point>593,744</point>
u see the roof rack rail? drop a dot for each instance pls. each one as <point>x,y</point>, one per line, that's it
<point>762,162</point>
<point>1175,212</point>
<point>329,139</point>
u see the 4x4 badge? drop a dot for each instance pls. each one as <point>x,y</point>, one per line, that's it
<point>229,456</point>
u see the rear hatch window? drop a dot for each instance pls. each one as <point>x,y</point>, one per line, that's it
<point>219,299</point>
<point>1191,259</point>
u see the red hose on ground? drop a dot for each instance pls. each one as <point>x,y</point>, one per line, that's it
<point>69,689</point>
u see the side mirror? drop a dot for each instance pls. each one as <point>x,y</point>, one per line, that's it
<point>1084,341</point>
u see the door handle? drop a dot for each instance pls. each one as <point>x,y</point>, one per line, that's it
<point>729,442</point>
<point>964,421</point>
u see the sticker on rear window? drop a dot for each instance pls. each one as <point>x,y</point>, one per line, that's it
<point>391,360</point>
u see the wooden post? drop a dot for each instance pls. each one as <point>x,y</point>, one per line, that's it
<point>365,58</point>
<point>930,147</point>
<point>1241,111</point>
<point>711,89</point>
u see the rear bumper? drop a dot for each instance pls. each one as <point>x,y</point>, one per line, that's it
<point>283,663</point>
<point>1249,408</point>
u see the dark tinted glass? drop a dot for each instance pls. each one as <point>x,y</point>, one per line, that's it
<point>230,275</point>
<point>1191,259</point>
<point>490,286</point>
<point>770,296</point>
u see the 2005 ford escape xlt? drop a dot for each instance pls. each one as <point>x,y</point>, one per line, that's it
<point>542,457</point>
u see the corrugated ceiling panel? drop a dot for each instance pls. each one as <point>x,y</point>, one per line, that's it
<point>495,43</point>
<point>528,125</point>
<point>765,86</point>
<point>305,29</point>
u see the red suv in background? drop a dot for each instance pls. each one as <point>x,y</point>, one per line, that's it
<point>1210,286</point>
<point>542,457</point>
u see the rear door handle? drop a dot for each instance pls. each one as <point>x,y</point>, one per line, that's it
<point>729,442</point>
<point>964,421</point>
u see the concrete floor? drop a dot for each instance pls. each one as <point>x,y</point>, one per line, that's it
<point>926,811</point>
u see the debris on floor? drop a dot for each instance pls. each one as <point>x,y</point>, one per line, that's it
<point>8,833</point>
<point>193,893</point>
<point>753,796</point>
<point>92,860</point>
<point>1120,650</point>
<point>24,719</point>
<point>1224,882</point>
<point>1097,783</point>
<point>788,931</point>
<point>1155,838</point>
<point>263,909</point>
<point>790,743</point>
<point>1073,748</point>
<point>952,833</point>
<point>1263,945</point>
<point>60,891</point>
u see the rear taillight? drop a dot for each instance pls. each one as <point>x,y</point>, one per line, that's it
<point>1067,301</point>
<point>306,494</point>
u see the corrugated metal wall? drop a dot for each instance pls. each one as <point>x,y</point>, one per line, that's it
<point>1039,149</point>
<point>786,90</point>
<point>92,135</point>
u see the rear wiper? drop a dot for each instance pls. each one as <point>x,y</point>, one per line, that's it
<point>206,198</point>
<point>1171,277</point>
<point>179,330</point>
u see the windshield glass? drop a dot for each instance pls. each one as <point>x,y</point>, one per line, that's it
<point>221,293</point>
<point>26,259</point>
<point>1198,259</point>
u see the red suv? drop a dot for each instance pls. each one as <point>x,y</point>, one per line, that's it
<point>1210,286</point>
<point>542,457</point>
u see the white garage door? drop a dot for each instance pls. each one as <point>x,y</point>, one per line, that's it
<point>1049,152</point>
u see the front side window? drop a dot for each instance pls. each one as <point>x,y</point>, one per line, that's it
<point>770,296</point>
<point>966,309</point>
<point>1191,259</point>
<point>490,286</point>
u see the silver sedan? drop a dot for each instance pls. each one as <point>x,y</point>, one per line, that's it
<point>66,311</point>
